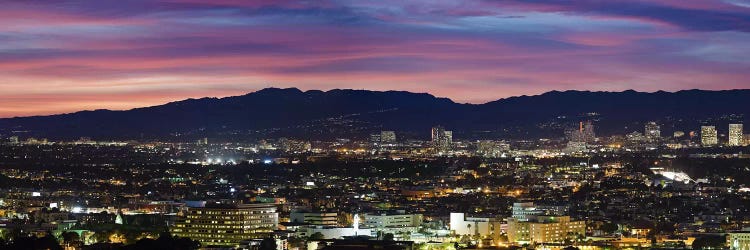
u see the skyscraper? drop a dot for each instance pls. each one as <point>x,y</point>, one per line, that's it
<point>735,135</point>
<point>387,137</point>
<point>441,139</point>
<point>437,133</point>
<point>585,133</point>
<point>652,131</point>
<point>709,136</point>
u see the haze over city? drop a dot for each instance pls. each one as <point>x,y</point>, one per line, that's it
<point>64,56</point>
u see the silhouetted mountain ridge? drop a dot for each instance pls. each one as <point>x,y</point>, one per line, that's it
<point>346,112</point>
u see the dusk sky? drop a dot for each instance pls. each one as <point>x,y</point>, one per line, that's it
<point>62,56</point>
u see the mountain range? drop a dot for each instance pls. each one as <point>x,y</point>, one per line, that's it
<point>275,112</point>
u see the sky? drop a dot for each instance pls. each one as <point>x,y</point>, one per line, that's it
<point>60,56</point>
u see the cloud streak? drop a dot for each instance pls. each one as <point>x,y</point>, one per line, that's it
<point>63,56</point>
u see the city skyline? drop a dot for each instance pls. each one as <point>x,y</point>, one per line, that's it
<point>65,56</point>
<point>390,125</point>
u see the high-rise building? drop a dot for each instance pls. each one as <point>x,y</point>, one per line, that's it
<point>437,134</point>
<point>226,224</point>
<point>387,137</point>
<point>375,139</point>
<point>584,133</point>
<point>588,132</point>
<point>709,136</point>
<point>652,131</point>
<point>736,135</point>
<point>441,138</point>
<point>489,148</point>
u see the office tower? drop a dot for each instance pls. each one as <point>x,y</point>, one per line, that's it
<point>227,224</point>
<point>736,135</point>
<point>488,148</point>
<point>585,133</point>
<point>588,132</point>
<point>375,139</point>
<point>387,137</point>
<point>652,131</point>
<point>441,139</point>
<point>437,134</point>
<point>709,136</point>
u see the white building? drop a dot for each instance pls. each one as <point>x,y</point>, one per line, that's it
<point>462,225</point>
<point>740,240</point>
<point>336,232</point>
<point>393,219</point>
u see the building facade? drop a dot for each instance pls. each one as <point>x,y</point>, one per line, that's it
<point>533,223</point>
<point>740,240</point>
<point>441,139</point>
<point>475,226</point>
<point>652,131</point>
<point>736,135</point>
<point>395,219</point>
<point>545,229</point>
<point>314,218</point>
<point>709,136</point>
<point>226,224</point>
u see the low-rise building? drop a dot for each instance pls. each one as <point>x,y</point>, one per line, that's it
<point>545,229</point>
<point>226,224</point>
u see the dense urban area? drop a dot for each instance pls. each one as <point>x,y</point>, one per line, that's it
<point>651,188</point>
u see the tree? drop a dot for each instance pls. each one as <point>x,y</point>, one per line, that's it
<point>317,236</point>
<point>388,237</point>
<point>710,241</point>
<point>405,235</point>
<point>102,236</point>
<point>295,242</point>
<point>70,237</point>
<point>268,244</point>
<point>47,242</point>
<point>609,228</point>
<point>165,242</point>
